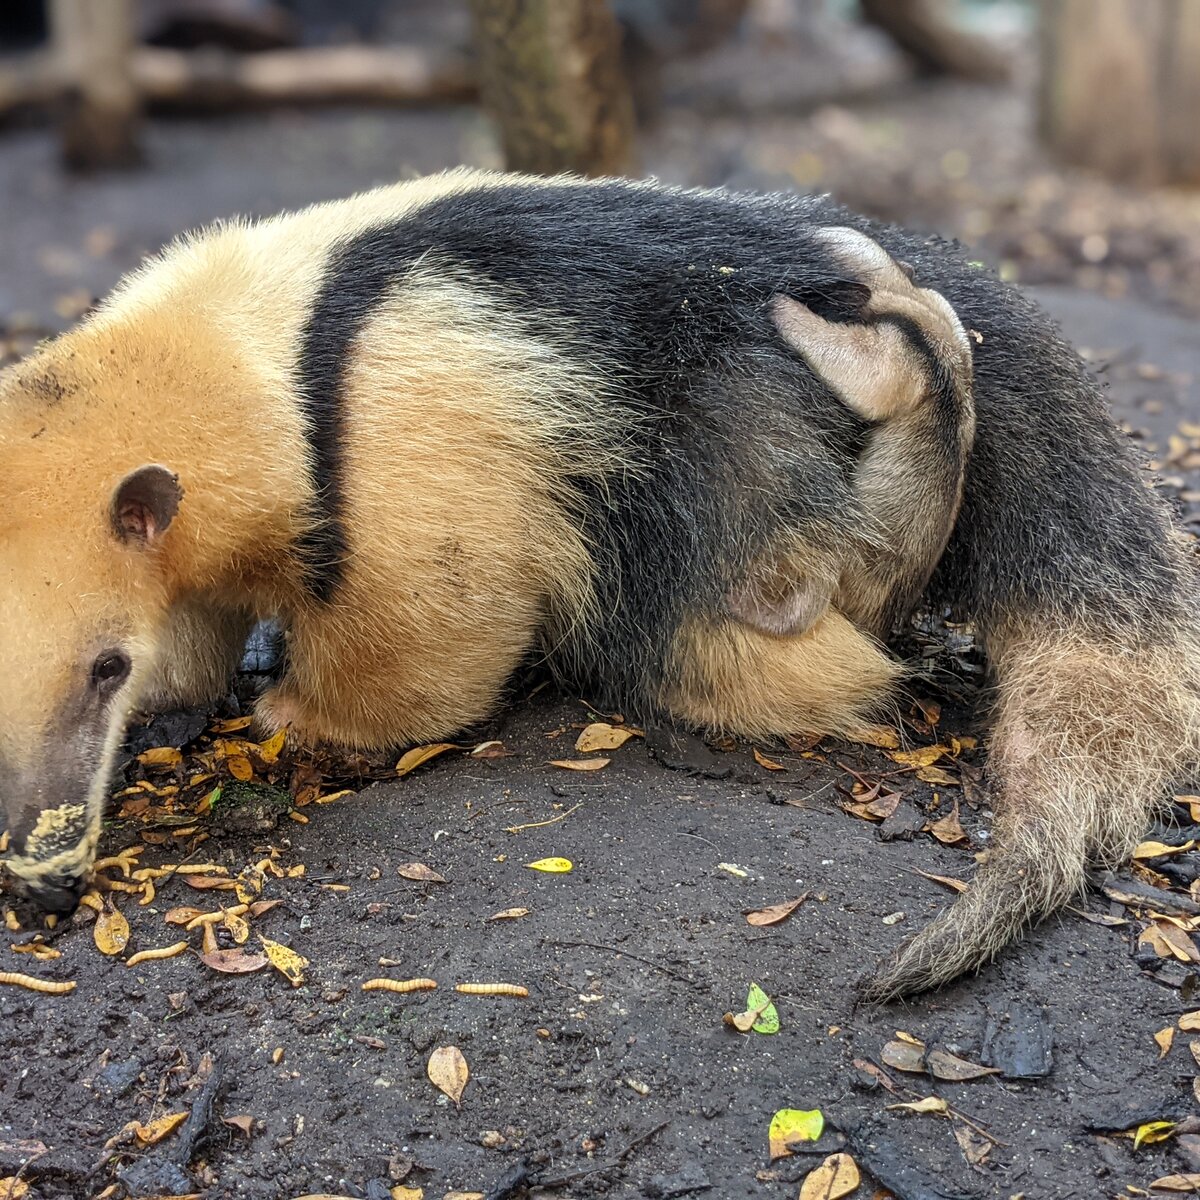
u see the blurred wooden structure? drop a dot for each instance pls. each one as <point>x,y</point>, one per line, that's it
<point>927,32</point>
<point>93,42</point>
<point>1120,87</point>
<point>551,78</point>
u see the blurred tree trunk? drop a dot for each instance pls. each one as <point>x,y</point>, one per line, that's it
<point>927,32</point>
<point>550,77</point>
<point>1120,88</point>
<point>93,45</point>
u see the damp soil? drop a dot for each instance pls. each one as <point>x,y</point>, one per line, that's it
<point>616,1075</point>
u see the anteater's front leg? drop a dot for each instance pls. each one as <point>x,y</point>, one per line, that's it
<point>363,673</point>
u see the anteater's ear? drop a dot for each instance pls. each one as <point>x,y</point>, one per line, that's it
<point>145,503</point>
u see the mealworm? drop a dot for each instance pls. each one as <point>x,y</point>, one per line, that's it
<point>212,918</point>
<point>492,989</point>
<point>37,985</point>
<point>162,952</point>
<point>399,985</point>
<point>148,893</point>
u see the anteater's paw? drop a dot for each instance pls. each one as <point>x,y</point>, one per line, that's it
<point>889,361</point>
<point>277,709</point>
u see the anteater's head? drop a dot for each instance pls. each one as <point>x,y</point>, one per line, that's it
<point>82,596</point>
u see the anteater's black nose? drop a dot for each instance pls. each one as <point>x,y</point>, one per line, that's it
<point>58,893</point>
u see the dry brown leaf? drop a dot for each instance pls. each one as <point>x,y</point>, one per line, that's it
<point>769,763</point>
<point>874,735</point>
<point>1190,1022</point>
<point>1166,1183</point>
<point>448,1072</point>
<point>232,962</point>
<point>774,913</point>
<point>1168,941</point>
<point>111,930</point>
<point>419,873</point>
<point>243,1124</point>
<point>412,759</point>
<point>1193,805</point>
<point>972,1143</point>
<point>491,749</point>
<point>943,1065</point>
<point>580,764</point>
<point>509,914</point>
<point>602,736</point>
<point>285,960</point>
<point>1164,1038</point>
<point>1161,849</point>
<point>836,1177</point>
<point>183,915</point>
<point>209,883</point>
<point>956,885</point>
<point>905,1056</point>
<point>12,1188</point>
<point>948,831</point>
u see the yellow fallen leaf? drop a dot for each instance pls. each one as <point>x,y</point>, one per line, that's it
<point>410,760</point>
<point>509,914</point>
<point>926,756</point>
<point>931,1104</point>
<point>249,884</point>
<point>1161,849</point>
<point>580,764</point>
<point>238,926</point>
<point>1164,1038</point>
<point>1169,941</point>
<point>455,1196</point>
<point>111,930</point>
<point>448,1072</point>
<point>1151,1132</point>
<point>160,756</point>
<point>791,1125</point>
<point>554,866</point>
<point>874,735</point>
<point>938,776</point>
<point>239,766</point>
<point>233,725</point>
<point>400,1192</point>
<point>602,736</point>
<point>769,763</point>
<point>285,960</point>
<point>1190,1022</point>
<point>156,1130</point>
<point>269,750</point>
<point>12,1188</point>
<point>836,1177</point>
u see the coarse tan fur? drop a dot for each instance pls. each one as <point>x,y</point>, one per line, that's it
<point>441,426</point>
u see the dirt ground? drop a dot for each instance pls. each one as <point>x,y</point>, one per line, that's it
<point>616,1075</point>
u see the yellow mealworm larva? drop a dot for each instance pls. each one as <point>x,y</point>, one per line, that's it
<point>37,985</point>
<point>492,989</point>
<point>212,918</point>
<point>399,985</point>
<point>148,893</point>
<point>162,952</point>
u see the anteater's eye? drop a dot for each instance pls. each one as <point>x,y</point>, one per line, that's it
<point>110,670</point>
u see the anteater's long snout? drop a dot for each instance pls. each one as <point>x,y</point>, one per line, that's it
<point>58,893</point>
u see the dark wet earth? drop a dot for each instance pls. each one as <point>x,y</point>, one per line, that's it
<point>616,1075</point>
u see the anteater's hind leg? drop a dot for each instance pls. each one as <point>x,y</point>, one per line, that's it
<point>731,677</point>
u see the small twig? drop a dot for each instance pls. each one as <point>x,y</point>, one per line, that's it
<point>628,954</point>
<point>543,824</point>
<point>561,1180</point>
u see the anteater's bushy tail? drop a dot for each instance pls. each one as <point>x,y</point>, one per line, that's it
<point>1089,734</point>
